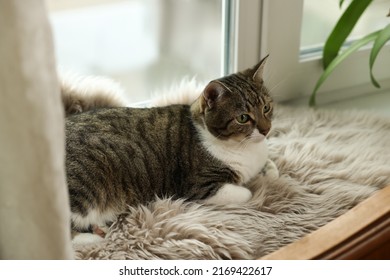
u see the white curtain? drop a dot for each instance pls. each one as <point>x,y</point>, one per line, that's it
<point>34,211</point>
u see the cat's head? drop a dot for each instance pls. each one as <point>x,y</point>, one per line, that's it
<point>237,106</point>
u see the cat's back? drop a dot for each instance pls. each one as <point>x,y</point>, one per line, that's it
<point>153,134</point>
<point>129,121</point>
<point>127,153</point>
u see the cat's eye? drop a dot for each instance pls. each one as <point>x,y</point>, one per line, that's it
<point>266,108</point>
<point>244,118</point>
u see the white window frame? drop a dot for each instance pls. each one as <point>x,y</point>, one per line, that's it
<point>273,27</point>
<point>241,34</point>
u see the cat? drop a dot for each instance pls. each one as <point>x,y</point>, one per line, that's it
<point>205,152</point>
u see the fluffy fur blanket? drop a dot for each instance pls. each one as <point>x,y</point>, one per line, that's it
<point>328,161</point>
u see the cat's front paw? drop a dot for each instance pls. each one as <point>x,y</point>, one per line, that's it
<point>100,230</point>
<point>230,194</point>
<point>86,238</point>
<point>270,170</point>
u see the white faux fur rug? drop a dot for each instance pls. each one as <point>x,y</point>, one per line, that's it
<point>329,161</point>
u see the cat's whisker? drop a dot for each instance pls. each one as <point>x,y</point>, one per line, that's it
<point>276,131</point>
<point>286,119</point>
<point>241,145</point>
<point>244,143</point>
<point>278,84</point>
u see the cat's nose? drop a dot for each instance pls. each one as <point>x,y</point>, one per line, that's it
<point>265,131</point>
<point>264,127</point>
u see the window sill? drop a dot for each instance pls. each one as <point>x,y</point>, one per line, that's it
<point>377,102</point>
<point>361,233</point>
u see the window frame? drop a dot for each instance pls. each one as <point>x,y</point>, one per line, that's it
<point>289,77</point>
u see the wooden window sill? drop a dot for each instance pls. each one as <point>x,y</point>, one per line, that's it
<point>361,233</point>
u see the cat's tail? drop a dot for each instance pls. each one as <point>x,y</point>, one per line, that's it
<point>185,92</point>
<point>80,94</point>
<point>84,93</point>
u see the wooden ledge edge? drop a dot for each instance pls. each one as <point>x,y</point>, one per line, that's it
<point>369,220</point>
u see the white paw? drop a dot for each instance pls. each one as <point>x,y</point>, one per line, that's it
<point>270,170</point>
<point>100,230</point>
<point>86,238</point>
<point>230,194</point>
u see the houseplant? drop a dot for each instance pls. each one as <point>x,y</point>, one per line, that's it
<point>332,56</point>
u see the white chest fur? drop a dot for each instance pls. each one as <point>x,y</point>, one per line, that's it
<point>247,158</point>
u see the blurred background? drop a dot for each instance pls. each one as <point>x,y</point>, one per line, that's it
<point>148,45</point>
<point>143,44</point>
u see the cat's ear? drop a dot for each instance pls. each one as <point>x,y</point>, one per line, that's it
<point>212,93</point>
<point>256,73</point>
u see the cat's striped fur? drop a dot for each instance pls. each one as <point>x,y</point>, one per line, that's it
<point>208,151</point>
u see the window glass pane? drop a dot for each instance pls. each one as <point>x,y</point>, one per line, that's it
<point>143,44</point>
<point>319,18</point>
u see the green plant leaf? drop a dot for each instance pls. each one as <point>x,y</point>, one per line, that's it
<point>342,29</point>
<point>351,49</point>
<point>379,42</point>
<point>341,3</point>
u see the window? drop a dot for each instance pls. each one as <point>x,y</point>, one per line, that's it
<point>319,17</point>
<point>292,76</point>
<point>143,44</point>
<point>150,44</point>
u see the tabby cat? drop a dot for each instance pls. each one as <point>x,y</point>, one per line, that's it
<point>206,151</point>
